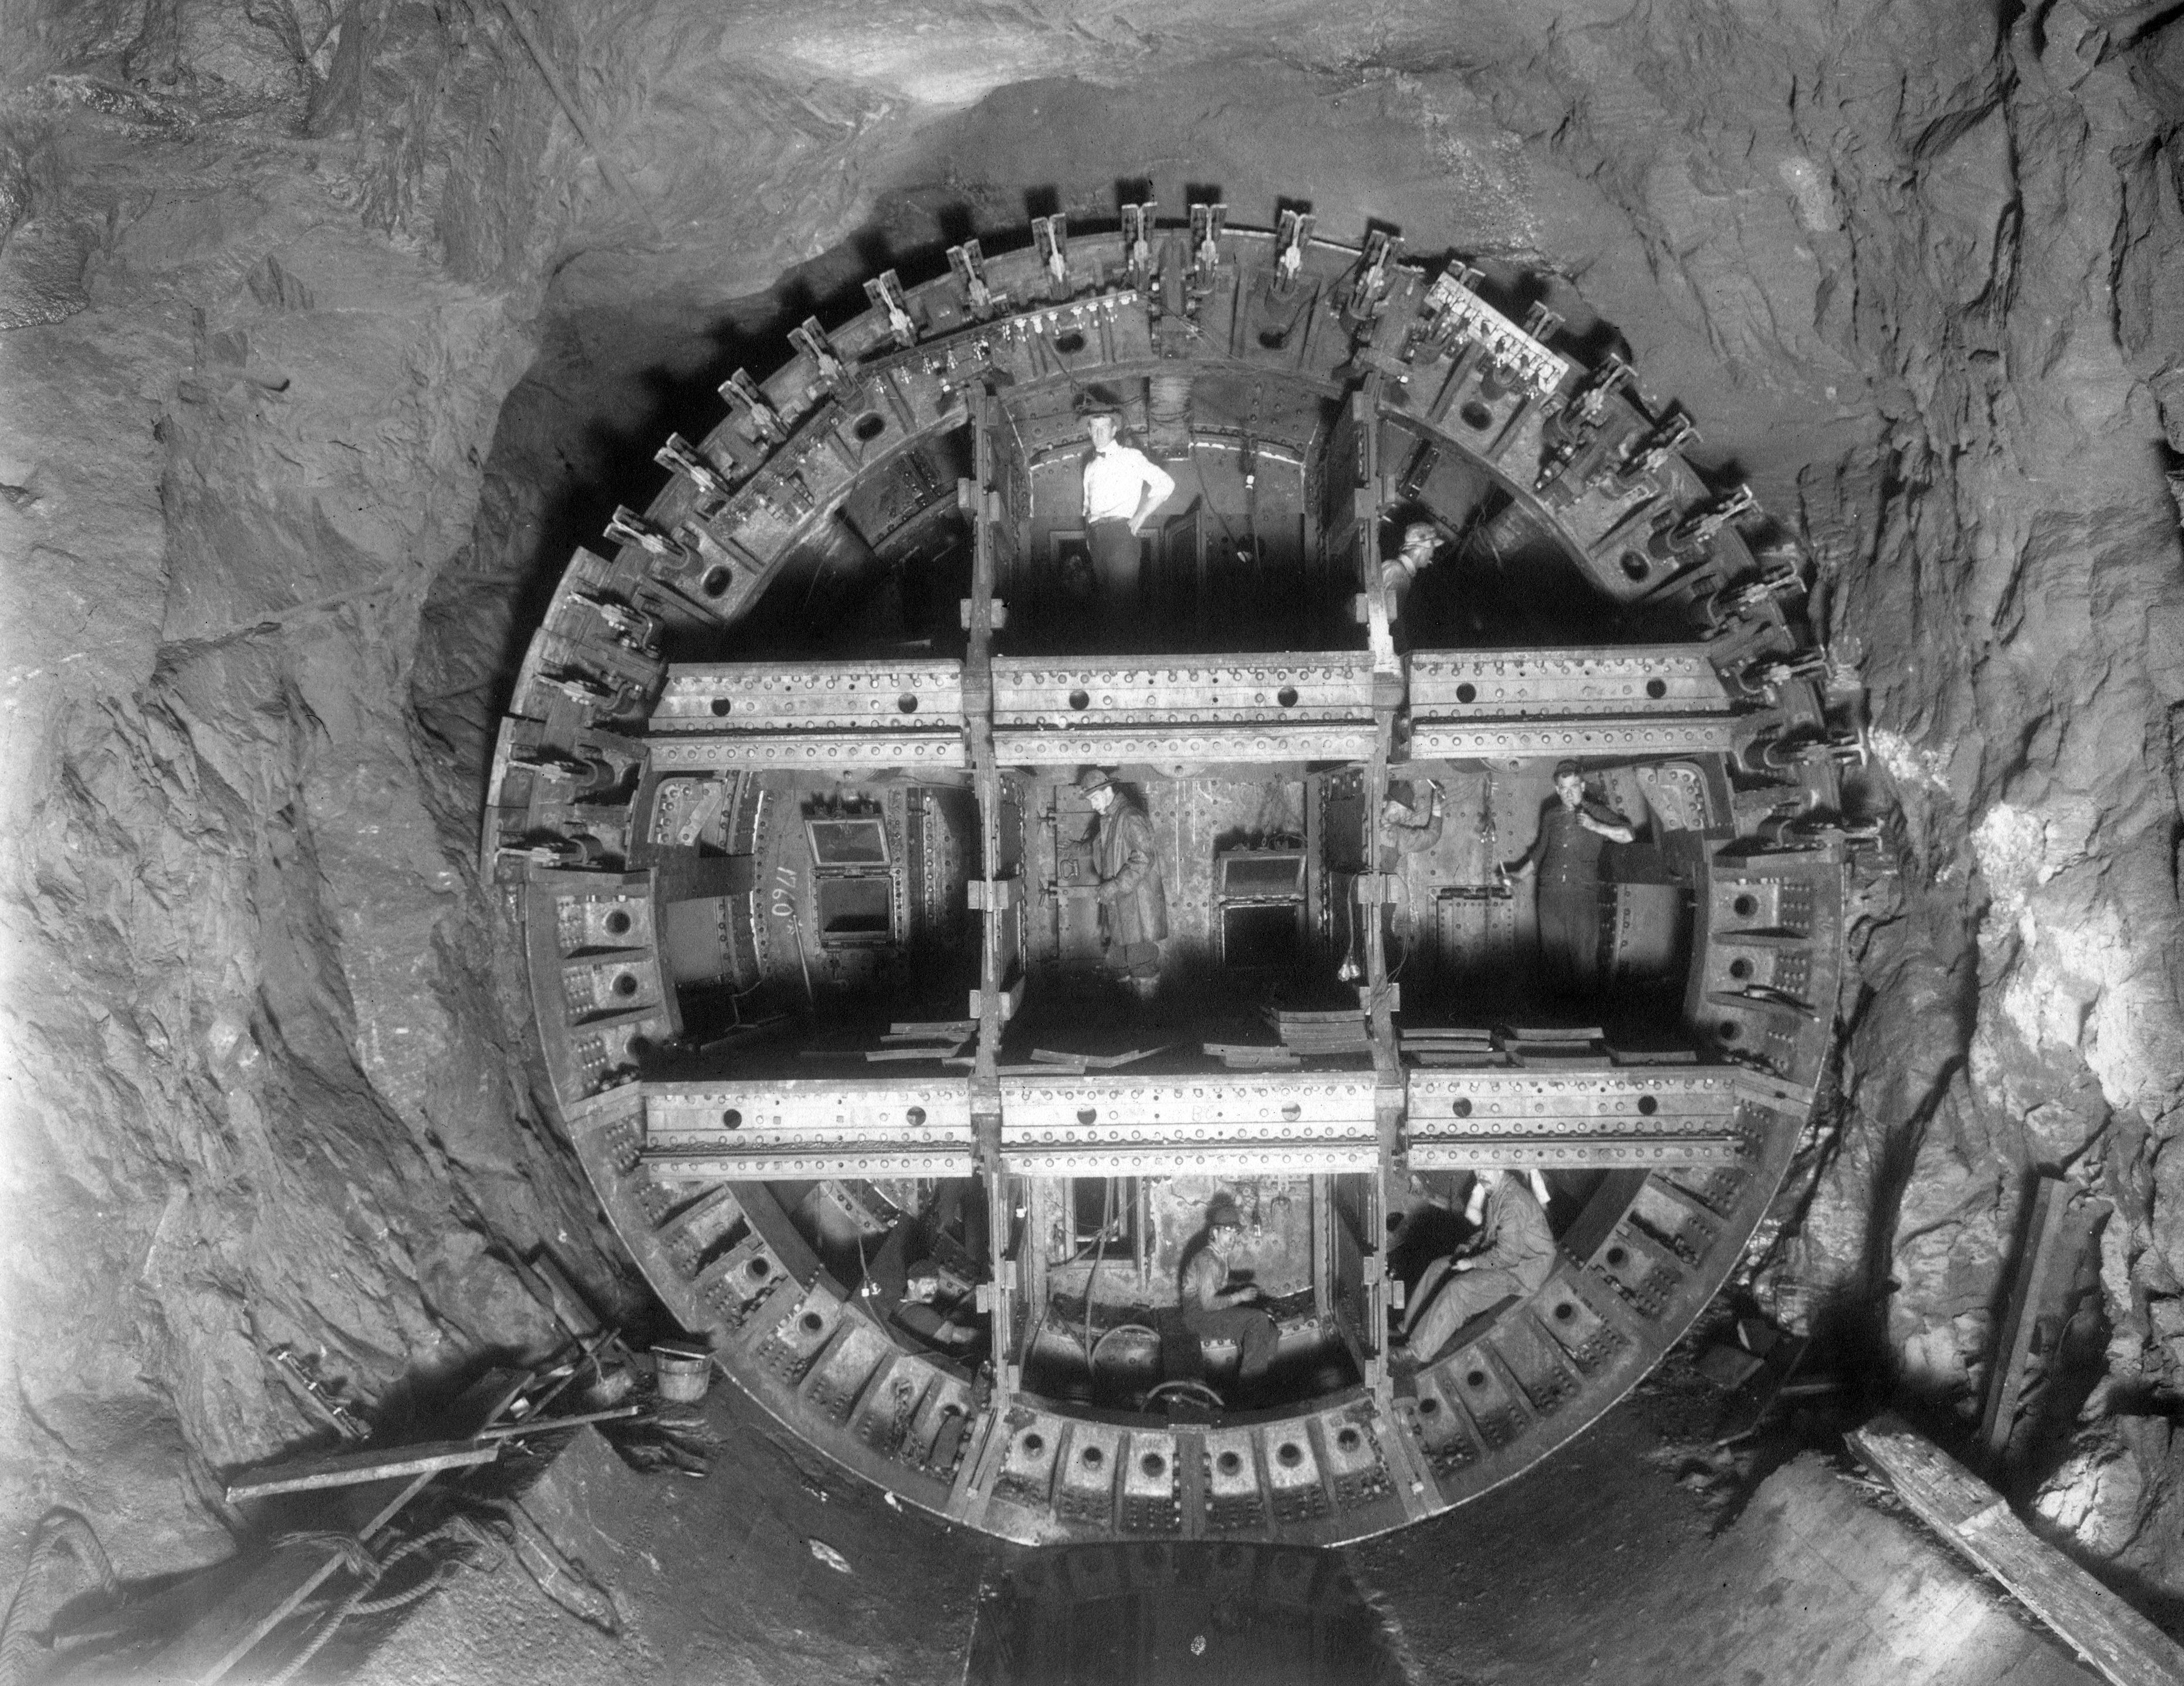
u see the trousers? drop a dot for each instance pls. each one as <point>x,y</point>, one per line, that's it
<point>1135,959</point>
<point>1463,1296</point>
<point>1250,1328</point>
<point>1569,936</point>
<point>1114,550</point>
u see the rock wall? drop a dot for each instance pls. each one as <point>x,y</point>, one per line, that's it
<point>326,332</point>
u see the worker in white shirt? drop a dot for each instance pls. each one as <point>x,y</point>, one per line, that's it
<point>1123,487</point>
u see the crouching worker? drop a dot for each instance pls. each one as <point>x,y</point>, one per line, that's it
<point>1511,1254</point>
<point>1213,1310</point>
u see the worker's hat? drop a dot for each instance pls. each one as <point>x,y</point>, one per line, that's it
<point>1092,779</point>
<point>1221,1212</point>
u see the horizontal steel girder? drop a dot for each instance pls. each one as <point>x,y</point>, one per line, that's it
<point>1652,700</point>
<point>798,1127</point>
<point>1205,690</point>
<point>1644,679</point>
<point>1593,1120</point>
<point>1302,741</point>
<point>863,750</point>
<point>793,1128</point>
<point>1601,735</point>
<point>732,698</point>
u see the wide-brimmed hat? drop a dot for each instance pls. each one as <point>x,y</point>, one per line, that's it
<point>1092,779</point>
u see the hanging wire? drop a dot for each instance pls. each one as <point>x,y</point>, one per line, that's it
<point>1107,1210</point>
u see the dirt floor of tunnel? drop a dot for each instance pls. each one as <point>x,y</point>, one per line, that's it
<point>1626,1557</point>
<point>1619,1560</point>
<point>774,1568</point>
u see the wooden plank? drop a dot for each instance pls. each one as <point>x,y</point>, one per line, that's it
<point>351,1469</point>
<point>2028,1292</point>
<point>2126,1648</point>
<point>1096,1062</point>
<point>209,1648</point>
<point>1941,1490</point>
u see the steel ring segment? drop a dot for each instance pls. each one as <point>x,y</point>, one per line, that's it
<point>1650,1245</point>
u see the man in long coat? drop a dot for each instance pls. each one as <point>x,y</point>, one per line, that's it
<point>1126,872</point>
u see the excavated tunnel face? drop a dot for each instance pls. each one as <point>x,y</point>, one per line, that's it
<point>912,1067</point>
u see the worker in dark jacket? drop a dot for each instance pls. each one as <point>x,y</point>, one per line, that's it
<point>1512,1253</point>
<point>1565,856</point>
<point>1212,1310</point>
<point>1126,874</point>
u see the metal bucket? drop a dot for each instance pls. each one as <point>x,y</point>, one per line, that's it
<point>683,1373</point>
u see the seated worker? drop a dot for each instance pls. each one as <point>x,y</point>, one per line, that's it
<point>1511,1253</point>
<point>1566,856</point>
<point>1125,871</point>
<point>1123,487</point>
<point>939,1309</point>
<point>1213,1310</point>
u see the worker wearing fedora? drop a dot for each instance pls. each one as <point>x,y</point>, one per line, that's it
<point>1126,875</point>
<point>1211,1310</point>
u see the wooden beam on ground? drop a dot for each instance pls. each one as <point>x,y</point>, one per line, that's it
<point>353,1469</point>
<point>2111,1636</point>
<point>2028,1292</point>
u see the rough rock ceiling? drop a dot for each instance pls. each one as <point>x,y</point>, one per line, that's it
<point>325,341</point>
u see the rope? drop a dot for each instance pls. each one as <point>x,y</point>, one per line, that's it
<point>1092,1275</point>
<point>358,1560</point>
<point>61,1534</point>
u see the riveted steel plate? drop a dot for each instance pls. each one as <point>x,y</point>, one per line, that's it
<point>794,1127</point>
<point>866,750</point>
<point>1458,1120</point>
<point>1575,1153</point>
<point>1500,1100</point>
<point>1335,685</point>
<point>776,697</point>
<point>1030,1104</point>
<point>1275,743</point>
<point>1645,679</point>
<point>1109,1126</point>
<point>757,1162</point>
<point>1614,735</point>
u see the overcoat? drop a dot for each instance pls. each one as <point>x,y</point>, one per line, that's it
<point>1132,899</point>
<point>1516,1256</point>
